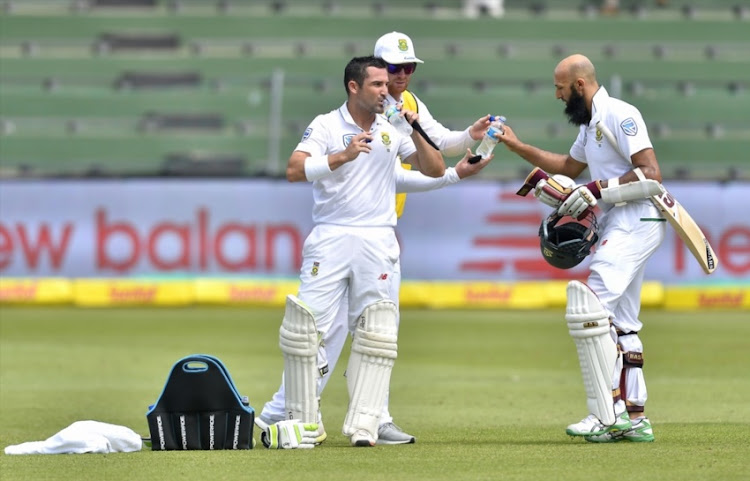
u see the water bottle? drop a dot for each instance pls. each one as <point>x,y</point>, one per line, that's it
<point>392,113</point>
<point>489,141</point>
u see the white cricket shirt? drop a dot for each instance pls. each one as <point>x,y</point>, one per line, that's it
<point>361,192</point>
<point>626,124</point>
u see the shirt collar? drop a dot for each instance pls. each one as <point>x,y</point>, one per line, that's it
<point>347,116</point>
<point>597,103</point>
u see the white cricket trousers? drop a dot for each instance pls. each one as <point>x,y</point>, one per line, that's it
<point>342,265</point>
<point>628,237</point>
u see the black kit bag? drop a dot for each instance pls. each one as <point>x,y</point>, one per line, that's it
<point>200,408</point>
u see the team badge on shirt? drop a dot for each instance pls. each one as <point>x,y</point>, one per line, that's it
<point>386,140</point>
<point>306,135</point>
<point>348,139</point>
<point>314,271</point>
<point>629,126</point>
<point>598,136</point>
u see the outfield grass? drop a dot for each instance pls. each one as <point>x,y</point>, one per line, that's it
<point>487,393</point>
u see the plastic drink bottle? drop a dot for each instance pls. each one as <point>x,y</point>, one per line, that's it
<point>489,141</point>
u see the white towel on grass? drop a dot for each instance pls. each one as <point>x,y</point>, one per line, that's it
<point>83,437</point>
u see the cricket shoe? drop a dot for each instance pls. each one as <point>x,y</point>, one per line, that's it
<point>640,432</point>
<point>362,438</point>
<point>389,433</point>
<point>263,422</point>
<point>591,426</point>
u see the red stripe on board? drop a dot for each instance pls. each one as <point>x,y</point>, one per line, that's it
<point>506,241</point>
<point>532,219</point>
<point>540,266</point>
<point>482,266</point>
<point>512,196</point>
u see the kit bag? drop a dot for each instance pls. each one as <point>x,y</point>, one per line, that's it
<point>200,408</point>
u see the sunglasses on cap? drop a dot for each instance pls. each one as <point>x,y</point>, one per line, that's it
<point>408,68</point>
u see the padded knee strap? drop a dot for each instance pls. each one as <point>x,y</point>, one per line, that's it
<point>632,385</point>
<point>588,324</point>
<point>374,351</point>
<point>632,359</point>
<point>298,340</point>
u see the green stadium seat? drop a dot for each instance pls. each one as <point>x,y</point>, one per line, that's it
<point>68,108</point>
<point>741,12</point>
<point>689,11</point>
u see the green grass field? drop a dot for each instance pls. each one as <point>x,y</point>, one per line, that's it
<point>487,393</point>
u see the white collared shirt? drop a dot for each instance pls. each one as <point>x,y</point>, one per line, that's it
<point>626,124</point>
<point>361,192</point>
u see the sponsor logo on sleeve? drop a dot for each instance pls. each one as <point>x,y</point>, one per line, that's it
<point>629,126</point>
<point>306,135</point>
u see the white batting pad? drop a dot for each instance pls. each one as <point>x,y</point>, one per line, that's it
<point>588,324</point>
<point>374,350</point>
<point>298,339</point>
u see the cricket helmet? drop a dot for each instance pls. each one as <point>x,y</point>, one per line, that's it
<point>565,245</point>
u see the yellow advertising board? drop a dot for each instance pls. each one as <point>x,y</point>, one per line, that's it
<point>132,292</point>
<point>36,291</point>
<point>243,292</point>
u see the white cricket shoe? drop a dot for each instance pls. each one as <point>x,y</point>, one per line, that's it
<point>389,433</point>
<point>362,438</point>
<point>592,426</point>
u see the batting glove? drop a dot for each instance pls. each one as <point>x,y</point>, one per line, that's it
<point>580,200</point>
<point>554,190</point>
<point>290,434</point>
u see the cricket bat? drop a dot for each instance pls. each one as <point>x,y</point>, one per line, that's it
<point>684,225</point>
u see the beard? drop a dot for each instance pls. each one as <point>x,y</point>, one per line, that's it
<point>575,109</point>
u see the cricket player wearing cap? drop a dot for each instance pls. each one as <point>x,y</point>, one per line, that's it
<point>602,314</point>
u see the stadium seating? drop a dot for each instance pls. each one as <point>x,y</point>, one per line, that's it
<point>125,87</point>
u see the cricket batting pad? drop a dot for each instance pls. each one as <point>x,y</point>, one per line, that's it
<point>368,375</point>
<point>298,339</point>
<point>588,324</point>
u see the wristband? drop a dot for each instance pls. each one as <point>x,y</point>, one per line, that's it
<point>596,188</point>
<point>451,176</point>
<point>316,167</point>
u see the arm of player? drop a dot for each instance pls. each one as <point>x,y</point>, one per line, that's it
<point>303,166</point>
<point>409,181</point>
<point>454,142</point>
<point>550,162</point>
<point>640,183</point>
